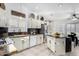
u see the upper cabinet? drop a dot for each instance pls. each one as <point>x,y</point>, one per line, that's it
<point>35,21</point>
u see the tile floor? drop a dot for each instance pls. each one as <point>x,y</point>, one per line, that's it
<point>42,50</point>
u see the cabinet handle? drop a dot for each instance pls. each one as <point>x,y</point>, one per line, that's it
<point>50,41</point>
<point>55,51</point>
<point>63,42</point>
<point>55,42</point>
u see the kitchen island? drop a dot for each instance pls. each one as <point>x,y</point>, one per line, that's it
<point>56,45</point>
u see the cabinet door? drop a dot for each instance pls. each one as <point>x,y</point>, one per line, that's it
<point>29,23</point>
<point>60,46</point>
<point>53,44</point>
<point>38,39</point>
<point>26,42</point>
<point>21,23</point>
<point>13,23</point>
<point>33,23</point>
<point>41,38</point>
<point>18,43</point>
<point>16,29</point>
<point>3,22</point>
<point>10,29</point>
<point>32,41</point>
<point>48,42</point>
<point>39,24</point>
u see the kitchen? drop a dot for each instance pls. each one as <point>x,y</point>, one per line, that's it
<point>24,26</point>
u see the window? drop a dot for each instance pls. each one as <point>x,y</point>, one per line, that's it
<point>16,13</point>
<point>2,6</point>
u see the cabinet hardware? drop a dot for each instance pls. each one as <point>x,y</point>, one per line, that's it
<point>50,41</point>
<point>55,42</point>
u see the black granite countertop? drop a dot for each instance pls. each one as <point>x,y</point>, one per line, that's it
<point>55,37</point>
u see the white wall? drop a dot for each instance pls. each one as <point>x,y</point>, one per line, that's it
<point>59,27</point>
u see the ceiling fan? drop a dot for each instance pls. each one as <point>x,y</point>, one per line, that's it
<point>74,15</point>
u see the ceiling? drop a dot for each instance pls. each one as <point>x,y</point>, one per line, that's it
<point>51,7</point>
<point>53,11</point>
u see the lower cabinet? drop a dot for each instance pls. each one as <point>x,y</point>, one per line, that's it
<point>39,39</point>
<point>49,41</point>
<point>21,43</point>
<point>26,42</point>
<point>18,43</point>
<point>56,45</point>
<point>33,40</point>
<point>60,46</point>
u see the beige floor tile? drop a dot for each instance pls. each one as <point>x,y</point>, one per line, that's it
<point>42,50</point>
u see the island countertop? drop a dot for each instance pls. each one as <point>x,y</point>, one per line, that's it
<point>55,37</point>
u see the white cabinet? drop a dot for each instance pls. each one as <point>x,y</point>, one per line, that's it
<point>22,25</point>
<point>39,39</point>
<point>18,43</point>
<point>21,42</point>
<point>21,22</point>
<point>29,23</point>
<point>38,24</point>
<point>32,40</point>
<point>60,46</point>
<point>49,41</point>
<point>23,29</point>
<point>26,42</point>
<point>3,22</point>
<point>10,29</point>
<point>33,23</point>
<point>13,22</point>
<point>56,45</point>
<point>16,29</point>
<point>13,29</point>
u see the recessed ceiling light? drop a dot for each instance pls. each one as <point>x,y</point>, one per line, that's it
<point>60,5</point>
